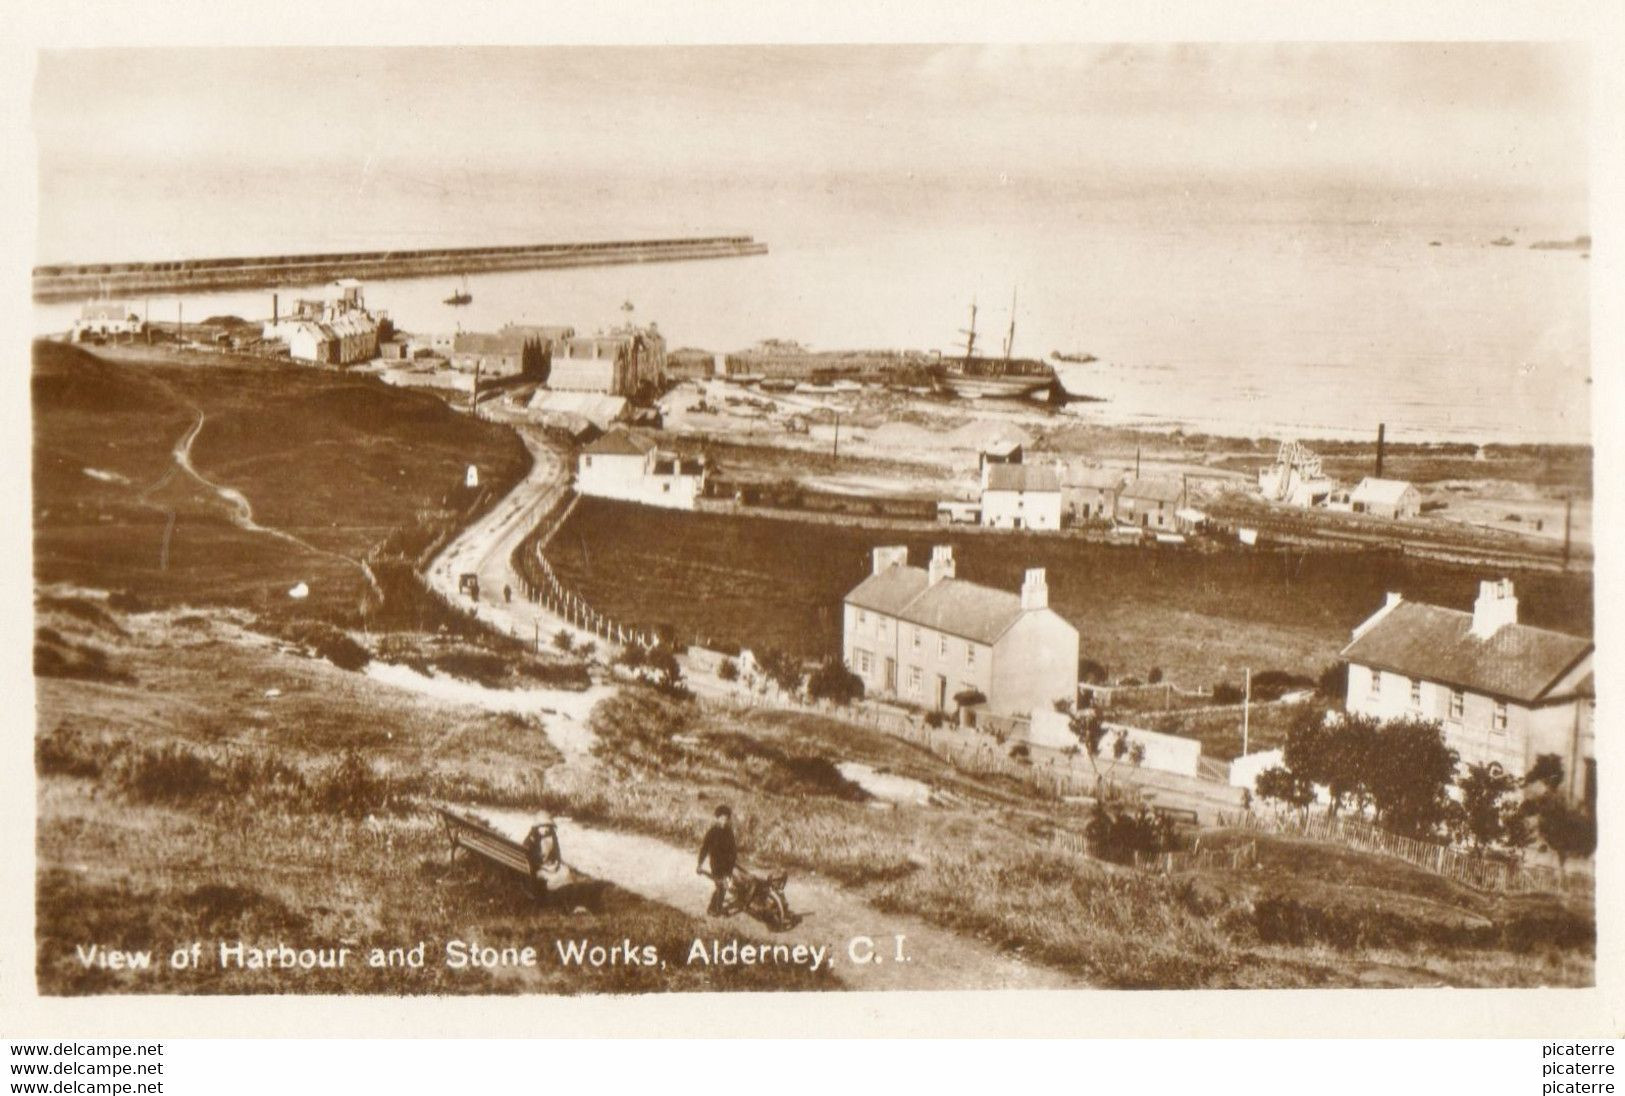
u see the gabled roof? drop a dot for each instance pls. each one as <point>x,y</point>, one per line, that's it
<point>960,608</point>
<point>964,609</point>
<point>1518,662</point>
<point>621,443</point>
<point>891,590</point>
<point>1021,477</point>
<point>1372,489</point>
<point>1158,490</point>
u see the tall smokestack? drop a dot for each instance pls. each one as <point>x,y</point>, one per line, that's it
<point>274,314</point>
<point>1382,429</point>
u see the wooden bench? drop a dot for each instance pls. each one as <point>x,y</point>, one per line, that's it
<point>468,834</point>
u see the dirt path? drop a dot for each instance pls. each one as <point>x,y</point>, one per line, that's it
<point>240,510</point>
<point>486,549</point>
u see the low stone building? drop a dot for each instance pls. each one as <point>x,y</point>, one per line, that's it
<point>1150,504</point>
<point>100,319</point>
<point>1020,496</point>
<point>1386,498</point>
<point>631,467</point>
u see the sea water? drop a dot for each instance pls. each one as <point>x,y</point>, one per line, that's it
<point>1313,318</point>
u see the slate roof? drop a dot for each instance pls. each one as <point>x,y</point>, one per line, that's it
<point>890,591</point>
<point>1158,490</point>
<point>964,609</point>
<point>1518,662</point>
<point>960,608</point>
<point>1021,477</point>
<point>620,443</point>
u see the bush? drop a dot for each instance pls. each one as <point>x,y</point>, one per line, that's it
<point>934,719</point>
<point>1091,672</point>
<point>833,681</point>
<point>562,640</point>
<point>728,670</point>
<point>352,787</point>
<point>1225,693</point>
<point>1333,682</point>
<point>330,643</point>
<point>1155,676</point>
<point>632,656</point>
<point>1117,833</point>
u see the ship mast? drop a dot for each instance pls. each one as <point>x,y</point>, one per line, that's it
<point>970,336</point>
<point>1010,339</point>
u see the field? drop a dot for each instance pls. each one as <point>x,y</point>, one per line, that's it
<point>1200,617</point>
<point>343,471</point>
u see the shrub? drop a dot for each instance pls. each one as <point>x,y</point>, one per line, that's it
<point>328,642</point>
<point>562,640</point>
<point>934,719</point>
<point>1091,672</point>
<point>833,681</point>
<point>1117,833</point>
<point>728,670</point>
<point>352,787</point>
<point>170,773</point>
<point>1155,676</point>
<point>632,656</point>
<point>1225,693</point>
<point>1333,682</point>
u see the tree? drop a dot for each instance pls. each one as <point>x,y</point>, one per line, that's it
<point>1547,770</point>
<point>1483,808</point>
<point>1285,786</point>
<point>833,681</point>
<point>781,668</point>
<point>1567,830</point>
<point>1097,740</point>
<point>1335,753</point>
<point>1091,672</point>
<point>1333,682</point>
<point>1408,776</point>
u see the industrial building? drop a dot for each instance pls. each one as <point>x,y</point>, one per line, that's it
<point>622,363</point>
<point>333,329</point>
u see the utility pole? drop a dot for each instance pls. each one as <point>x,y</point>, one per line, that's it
<point>1136,462</point>
<point>1568,518</point>
<point>1246,709</point>
<point>836,454</point>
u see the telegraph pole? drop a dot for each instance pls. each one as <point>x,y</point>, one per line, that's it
<point>1246,709</point>
<point>1568,519</point>
<point>836,454</point>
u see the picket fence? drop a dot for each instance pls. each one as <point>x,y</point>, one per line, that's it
<point>1474,871</point>
<point>541,586</point>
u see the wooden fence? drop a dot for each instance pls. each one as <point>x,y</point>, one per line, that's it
<point>541,586</point>
<point>1479,872</point>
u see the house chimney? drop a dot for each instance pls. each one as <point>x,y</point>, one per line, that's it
<point>885,558</point>
<point>1495,608</point>
<point>942,564</point>
<point>1034,590</point>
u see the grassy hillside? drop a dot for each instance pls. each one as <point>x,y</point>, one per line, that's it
<point>350,470</point>
<point>1201,617</point>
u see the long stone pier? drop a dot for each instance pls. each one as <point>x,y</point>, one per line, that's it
<point>71,281</point>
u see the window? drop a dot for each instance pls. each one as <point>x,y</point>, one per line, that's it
<point>970,655</point>
<point>865,662</point>
<point>942,646</point>
<point>880,627</point>
<point>863,617</point>
<point>1500,721</point>
<point>916,681</point>
<point>1416,694</point>
<point>1458,704</point>
<point>1376,684</point>
<point>917,636</point>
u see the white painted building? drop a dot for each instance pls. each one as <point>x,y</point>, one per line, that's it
<point>103,318</point>
<point>630,467</point>
<point>923,636</point>
<point>1504,692</point>
<point>333,329</point>
<point>1386,498</point>
<point>1020,496</point>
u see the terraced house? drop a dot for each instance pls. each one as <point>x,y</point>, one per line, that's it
<point>925,636</point>
<point>1504,692</point>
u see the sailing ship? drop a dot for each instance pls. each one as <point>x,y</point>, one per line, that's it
<point>975,377</point>
<point>461,295</point>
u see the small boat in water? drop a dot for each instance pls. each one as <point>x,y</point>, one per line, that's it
<point>461,296</point>
<point>1501,242</point>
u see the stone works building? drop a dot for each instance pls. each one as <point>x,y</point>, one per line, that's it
<point>333,329</point>
<point>1503,692</point>
<point>923,636</point>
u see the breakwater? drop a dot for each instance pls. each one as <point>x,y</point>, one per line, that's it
<point>72,281</point>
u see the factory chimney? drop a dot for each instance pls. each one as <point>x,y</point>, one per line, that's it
<point>1382,428</point>
<point>274,314</point>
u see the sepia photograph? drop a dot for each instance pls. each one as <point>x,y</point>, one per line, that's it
<point>567,521</point>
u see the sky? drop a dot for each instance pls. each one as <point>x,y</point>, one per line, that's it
<point>1435,117</point>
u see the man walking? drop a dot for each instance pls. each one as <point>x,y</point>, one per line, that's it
<point>720,848</point>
